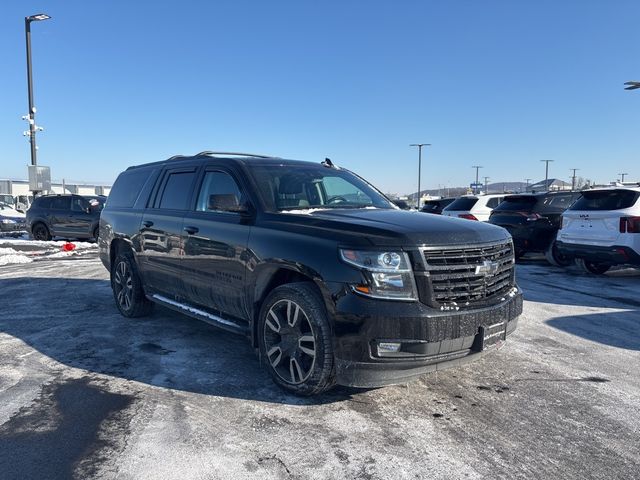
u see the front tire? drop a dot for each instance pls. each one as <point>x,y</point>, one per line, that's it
<point>554,257</point>
<point>592,267</point>
<point>295,339</point>
<point>41,232</point>
<point>127,287</point>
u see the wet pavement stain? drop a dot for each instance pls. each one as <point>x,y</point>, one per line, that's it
<point>155,349</point>
<point>48,439</point>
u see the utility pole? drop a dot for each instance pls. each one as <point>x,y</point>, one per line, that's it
<point>419,145</point>
<point>486,182</point>
<point>546,173</point>
<point>31,116</point>
<point>622,175</point>
<point>573,179</point>
<point>477,167</point>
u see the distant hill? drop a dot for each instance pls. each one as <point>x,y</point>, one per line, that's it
<point>498,187</point>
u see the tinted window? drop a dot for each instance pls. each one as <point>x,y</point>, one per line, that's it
<point>559,202</point>
<point>61,203</point>
<point>127,188</point>
<point>218,189</point>
<point>494,202</point>
<point>45,202</point>
<point>462,203</point>
<point>606,200</point>
<point>286,187</point>
<point>177,191</point>
<point>517,203</point>
<point>79,204</point>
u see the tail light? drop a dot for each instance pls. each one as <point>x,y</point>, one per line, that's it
<point>629,224</point>
<point>468,216</point>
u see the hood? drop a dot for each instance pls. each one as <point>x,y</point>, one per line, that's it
<point>8,212</point>
<point>388,227</point>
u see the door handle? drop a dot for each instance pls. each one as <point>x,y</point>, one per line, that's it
<point>147,223</point>
<point>191,230</point>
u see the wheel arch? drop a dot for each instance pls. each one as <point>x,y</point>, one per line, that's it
<point>271,277</point>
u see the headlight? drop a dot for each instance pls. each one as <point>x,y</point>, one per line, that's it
<point>7,220</point>
<point>388,274</point>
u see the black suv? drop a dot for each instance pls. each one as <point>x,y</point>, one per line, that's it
<point>533,221</point>
<point>327,278</point>
<point>436,206</point>
<point>69,216</point>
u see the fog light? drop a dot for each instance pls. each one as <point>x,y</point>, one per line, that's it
<point>388,347</point>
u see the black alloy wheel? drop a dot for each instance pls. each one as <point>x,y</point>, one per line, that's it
<point>41,232</point>
<point>295,339</point>
<point>127,288</point>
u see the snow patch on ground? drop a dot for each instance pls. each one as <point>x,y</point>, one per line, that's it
<point>15,251</point>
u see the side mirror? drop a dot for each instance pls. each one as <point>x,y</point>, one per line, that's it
<point>87,210</point>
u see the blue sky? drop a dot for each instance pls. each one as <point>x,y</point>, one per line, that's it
<point>500,84</point>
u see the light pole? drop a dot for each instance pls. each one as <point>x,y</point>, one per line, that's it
<point>527,187</point>
<point>622,175</point>
<point>477,167</point>
<point>573,179</point>
<point>546,173</point>
<point>419,145</point>
<point>486,181</point>
<point>31,116</point>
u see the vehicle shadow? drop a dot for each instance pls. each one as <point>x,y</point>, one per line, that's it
<point>618,329</point>
<point>75,322</point>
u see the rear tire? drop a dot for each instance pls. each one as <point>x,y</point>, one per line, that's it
<point>554,257</point>
<point>127,287</point>
<point>592,267</point>
<point>41,232</point>
<point>295,339</point>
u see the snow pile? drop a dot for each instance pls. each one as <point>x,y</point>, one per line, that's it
<point>15,251</point>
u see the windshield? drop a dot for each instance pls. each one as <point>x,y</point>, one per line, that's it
<point>303,186</point>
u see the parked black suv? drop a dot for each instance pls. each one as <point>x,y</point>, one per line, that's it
<point>533,221</point>
<point>69,216</point>
<point>436,206</point>
<point>327,278</point>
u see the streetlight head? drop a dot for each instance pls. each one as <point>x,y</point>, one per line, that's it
<point>632,85</point>
<point>419,144</point>
<point>38,17</point>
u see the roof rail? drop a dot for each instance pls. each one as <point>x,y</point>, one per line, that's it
<point>235,154</point>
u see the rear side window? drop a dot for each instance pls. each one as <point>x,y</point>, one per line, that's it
<point>61,203</point>
<point>44,202</point>
<point>462,203</point>
<point>177,191</point>
<point>517,203</point>
<point>127,188</point>
<point>606,200</point>
<point>494,202</point>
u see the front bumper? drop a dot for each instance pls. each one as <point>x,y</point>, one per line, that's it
<point>428,339</point>
<point>13,227</point>
<point>614,255</point>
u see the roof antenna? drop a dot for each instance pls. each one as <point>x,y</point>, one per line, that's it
<point>327,163</point>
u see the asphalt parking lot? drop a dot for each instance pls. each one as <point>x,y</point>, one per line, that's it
<point>86,393</point>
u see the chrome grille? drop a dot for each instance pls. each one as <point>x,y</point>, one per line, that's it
<point>468,274</point>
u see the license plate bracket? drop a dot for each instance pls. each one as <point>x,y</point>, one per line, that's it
<point>493,336</point>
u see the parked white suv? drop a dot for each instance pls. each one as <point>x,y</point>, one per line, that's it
<point>602,229</point>
<point>473,207</point>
